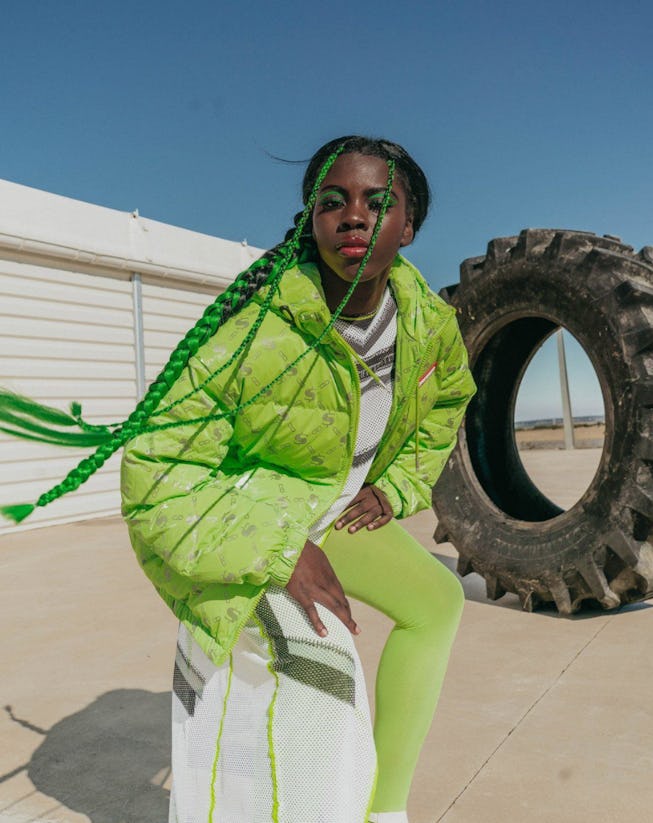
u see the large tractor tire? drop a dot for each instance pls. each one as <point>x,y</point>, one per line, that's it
<point>509,302</point>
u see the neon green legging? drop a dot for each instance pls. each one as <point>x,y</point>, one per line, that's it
<point>390,571</point>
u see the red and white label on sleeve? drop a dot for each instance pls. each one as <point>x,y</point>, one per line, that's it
<point>427,374</point>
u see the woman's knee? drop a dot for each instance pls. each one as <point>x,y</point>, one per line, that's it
<point>455,595</point>
<point>441,598</point>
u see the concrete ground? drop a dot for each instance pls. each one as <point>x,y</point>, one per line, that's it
<point>541,718</point>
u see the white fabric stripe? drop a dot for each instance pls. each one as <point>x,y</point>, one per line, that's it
<point>195,737</point>
<point>324,746</point>
<point>243,782</point>
<point>374,343</point>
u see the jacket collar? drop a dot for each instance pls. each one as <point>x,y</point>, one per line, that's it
<point>300,297</point>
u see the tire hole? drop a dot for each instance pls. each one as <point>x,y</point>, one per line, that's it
<point>561,464</point>
<point>520,487</point>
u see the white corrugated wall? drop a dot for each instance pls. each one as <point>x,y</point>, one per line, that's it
<point>65,336</point>
<point>167,314</point>
<point>67,325</point>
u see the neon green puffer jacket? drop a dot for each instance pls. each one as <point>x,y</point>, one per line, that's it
<point>218,510</point>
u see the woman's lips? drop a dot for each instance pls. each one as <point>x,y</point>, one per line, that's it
<point>353,247</point>
<point>353,251</point>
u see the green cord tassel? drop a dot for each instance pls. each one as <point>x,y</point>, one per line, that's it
<point>12,403</point>
<point>17,513</point>
<point>35,421</point>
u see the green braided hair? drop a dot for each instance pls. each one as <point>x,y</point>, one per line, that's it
<point>25,418</point>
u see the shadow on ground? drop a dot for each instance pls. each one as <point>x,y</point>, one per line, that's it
<point>109,760</point>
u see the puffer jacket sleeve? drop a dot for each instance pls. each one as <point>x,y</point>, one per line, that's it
<point>410,477</point>
<point>189,502</point>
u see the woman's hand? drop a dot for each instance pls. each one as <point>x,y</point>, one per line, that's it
<point>369,508</point>
<point>314,581</point>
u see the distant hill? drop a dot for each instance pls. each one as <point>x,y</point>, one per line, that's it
<point>557,422</point>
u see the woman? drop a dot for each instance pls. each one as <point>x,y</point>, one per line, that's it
<point>312,407</point>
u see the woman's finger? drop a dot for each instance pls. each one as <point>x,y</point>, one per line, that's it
<point>380,521</point>
<point>314,581</point>
<point>382,500</point>
<point>350,514</point>
<point>364,520</point>
<point>314,617</point>
<point>368,504</point>
<point>337,603</point>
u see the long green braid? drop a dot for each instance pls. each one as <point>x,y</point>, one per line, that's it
<point>26,417</point>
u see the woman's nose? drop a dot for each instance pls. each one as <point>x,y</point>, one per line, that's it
<point>353,216</point>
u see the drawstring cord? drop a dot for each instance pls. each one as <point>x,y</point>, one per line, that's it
<point>417,426</point>
<point>367,368</point>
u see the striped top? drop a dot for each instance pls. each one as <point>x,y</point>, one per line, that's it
<point>374,342</point>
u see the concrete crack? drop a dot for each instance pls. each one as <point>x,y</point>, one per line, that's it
<point>520,721</point>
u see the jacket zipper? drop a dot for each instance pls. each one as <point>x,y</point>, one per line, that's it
<point>413,376</point>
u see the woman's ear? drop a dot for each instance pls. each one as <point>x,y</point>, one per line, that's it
<point>408,233</point>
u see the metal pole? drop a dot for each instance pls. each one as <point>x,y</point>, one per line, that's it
<point>139,339</point>
<point>567,418</point>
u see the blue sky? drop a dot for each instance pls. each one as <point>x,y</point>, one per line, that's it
<point>522,114</point>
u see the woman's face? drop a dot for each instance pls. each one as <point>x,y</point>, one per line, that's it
<point>346,210</point>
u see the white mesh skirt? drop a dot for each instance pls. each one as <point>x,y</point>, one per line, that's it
<point>281,733</point>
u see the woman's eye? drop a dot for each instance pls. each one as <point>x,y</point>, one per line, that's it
<point>377,201</point>
<point>331,200</point>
